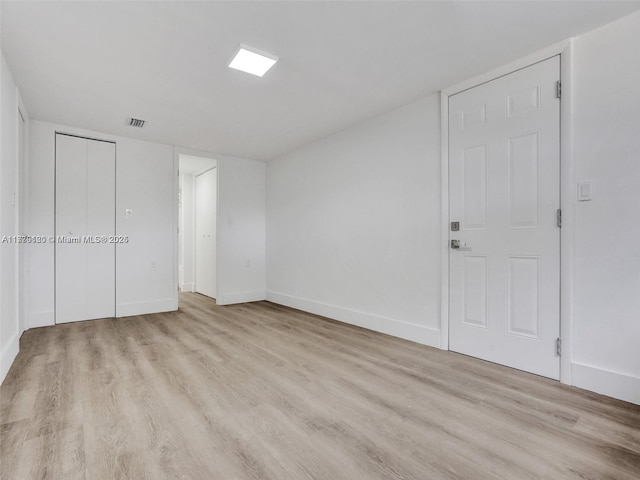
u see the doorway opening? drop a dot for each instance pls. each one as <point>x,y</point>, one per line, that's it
<point>197,217</point>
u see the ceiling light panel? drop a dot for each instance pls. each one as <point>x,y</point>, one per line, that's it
<point>253,61</point>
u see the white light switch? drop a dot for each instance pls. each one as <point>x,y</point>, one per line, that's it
<point>585,191</point>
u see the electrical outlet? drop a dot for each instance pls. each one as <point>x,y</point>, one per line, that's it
<point>153,265</point>
<point>248,263</point>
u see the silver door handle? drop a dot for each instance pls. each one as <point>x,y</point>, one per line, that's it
<point>455,244</point>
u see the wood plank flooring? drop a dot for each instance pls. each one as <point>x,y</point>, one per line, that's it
<point>260,391</point>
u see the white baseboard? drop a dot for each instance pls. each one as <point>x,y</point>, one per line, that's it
<point>40,319</point>
<point>8,355</point>
<point>240,297</point>
<point>607,382</point>
<point>47,318</point>
<point>397,328</point>
<point>187,287</point>
<point>143,308</point>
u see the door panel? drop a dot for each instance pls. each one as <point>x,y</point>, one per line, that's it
<point>474,188</point>
<point>524,182</point>
<point>205,255</point>
<point>504,186</point>
<point>101,214</point>
<point>475,290</point>
<point>71,212</point>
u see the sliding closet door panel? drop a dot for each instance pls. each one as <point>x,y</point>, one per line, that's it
<point>71,214</point>
<point>85,219</point>
<point>101,205</point>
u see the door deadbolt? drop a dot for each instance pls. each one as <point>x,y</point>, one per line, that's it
<point>455,226</point>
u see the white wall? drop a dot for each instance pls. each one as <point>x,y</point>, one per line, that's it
<point>145,183</point>
<point>241,230</point>
<point>39,220</point>
<point>353,224</point>
<point>606,125</point>
<point>9,217</point>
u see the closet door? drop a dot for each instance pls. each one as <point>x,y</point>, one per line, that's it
<point>85,218</point>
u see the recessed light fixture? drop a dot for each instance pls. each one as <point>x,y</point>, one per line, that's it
<point>253,61</point>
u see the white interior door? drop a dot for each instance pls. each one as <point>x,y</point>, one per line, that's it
<point>504,187</point>
<point>85,218</point>
<point>205,219</point>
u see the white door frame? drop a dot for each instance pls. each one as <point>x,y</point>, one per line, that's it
<point>567,192</point>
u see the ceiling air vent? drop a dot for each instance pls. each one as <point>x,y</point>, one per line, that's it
<point>136,122</point>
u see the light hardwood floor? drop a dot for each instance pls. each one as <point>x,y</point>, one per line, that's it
<point>260,391</point>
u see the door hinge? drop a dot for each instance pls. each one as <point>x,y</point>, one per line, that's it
<point>559,346</point>
<point>559,217</point>
<point>558,89</point>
